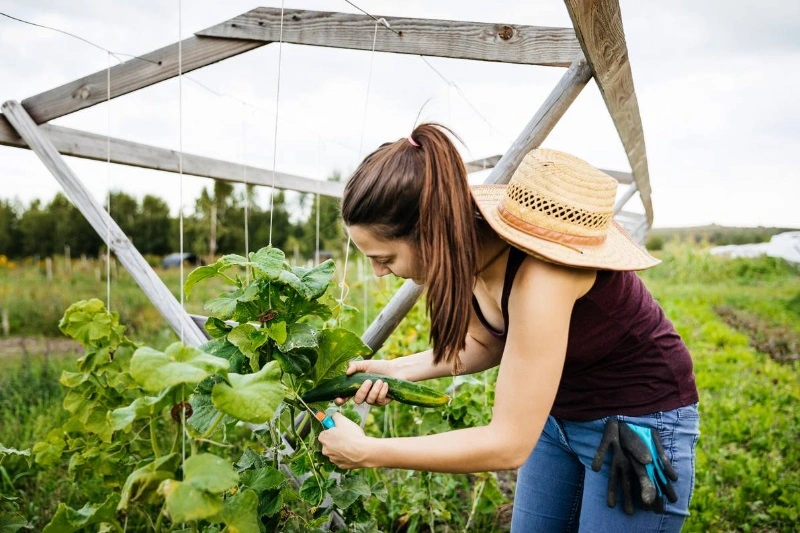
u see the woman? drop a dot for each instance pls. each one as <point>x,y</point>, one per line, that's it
<point>540,281</point>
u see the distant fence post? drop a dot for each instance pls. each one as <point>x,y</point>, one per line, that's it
<point>5,323</point>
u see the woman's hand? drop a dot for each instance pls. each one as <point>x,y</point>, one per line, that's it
<point>345,444</point>
<point>372,393</point>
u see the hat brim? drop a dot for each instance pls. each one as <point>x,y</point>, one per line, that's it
<point>618,251</point>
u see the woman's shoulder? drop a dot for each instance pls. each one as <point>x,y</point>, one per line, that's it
<point>538,271</point>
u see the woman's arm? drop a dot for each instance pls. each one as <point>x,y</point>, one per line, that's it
<point>539,309</point>
<point>482,351</point>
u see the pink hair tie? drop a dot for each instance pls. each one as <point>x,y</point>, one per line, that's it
<point>413,142</point>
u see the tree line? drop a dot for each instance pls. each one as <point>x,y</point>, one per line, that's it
<point>215,225</point>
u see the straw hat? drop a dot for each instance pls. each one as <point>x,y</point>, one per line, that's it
<point>561,209</point>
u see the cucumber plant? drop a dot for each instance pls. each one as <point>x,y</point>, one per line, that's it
<point>193,435</point>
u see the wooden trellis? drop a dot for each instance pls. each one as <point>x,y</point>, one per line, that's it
<point>594,47</point>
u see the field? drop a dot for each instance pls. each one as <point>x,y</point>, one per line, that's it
<point>740,318</point>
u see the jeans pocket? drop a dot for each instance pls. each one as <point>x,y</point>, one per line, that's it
<point>689,412</point>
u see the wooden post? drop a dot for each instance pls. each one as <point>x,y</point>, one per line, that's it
<point>6,325</point>
<point>67,260</point>
<point>598,25</point>
<point>48,265</point>
<point>132,260</point>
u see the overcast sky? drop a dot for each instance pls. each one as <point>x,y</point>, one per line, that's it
<point>717,84</point>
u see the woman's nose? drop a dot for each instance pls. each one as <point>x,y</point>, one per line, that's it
<point>380,270</point>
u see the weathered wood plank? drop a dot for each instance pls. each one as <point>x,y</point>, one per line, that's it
<point>104,225</point>
<point>482,164</point>
<point>622,177</point>
<point>508,43</point>
<point>598,25</point>
<point>93,146</point>
<point>151,68</point>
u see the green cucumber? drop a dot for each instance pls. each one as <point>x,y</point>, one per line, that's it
<point>399,389</point>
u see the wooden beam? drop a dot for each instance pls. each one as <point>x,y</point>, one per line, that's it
<point>87,145</point>
<point>92,146</point>
<point>132,75</point>
<point>622,177</point>
<point>104,225</point>
<point>598,25</point>
<point>482,164</point>
<point>507,43</point>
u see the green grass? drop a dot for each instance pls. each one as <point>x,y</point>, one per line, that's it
<point>748,461</point>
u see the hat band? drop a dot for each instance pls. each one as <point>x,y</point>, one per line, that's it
<point>547,234</point>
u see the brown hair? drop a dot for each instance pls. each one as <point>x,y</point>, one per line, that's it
<point>421,193</point>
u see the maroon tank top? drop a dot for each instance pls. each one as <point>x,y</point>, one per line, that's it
<point>624,356</point>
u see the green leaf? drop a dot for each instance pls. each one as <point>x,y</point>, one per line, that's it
<point>268,262</point>
<point>265,478</point>
<point>11,522</point>
<point>300,336</point>
<point>154,370</point>
<point>252,397</point>
<point>14,451</point>
<point>208,472</point>
<point>297,362</point>
<point>289,278</point>
<point>73,379</point>
<point>311,491</point>
<point>224,349</point>
<point>317,279</point>
<point>89,323</point>
<point>277,332</point>
<point>204,414</point>
<point>248,339</point>
<point>336,347</point>
<point>379,490</point>
<point>217,328</point>
<point>349,490</point>
<point>145,406</point>
<point>48,452</point>
<point>240,512</point>
<point>186,503</point>
<point>270,502</point>
<point>230,260</point>
<point>199,274</point>
<point>142,484</point>
<point>250,459</point>
<point>302,308</point>
<point>67,520</point>
<point>199,495</point>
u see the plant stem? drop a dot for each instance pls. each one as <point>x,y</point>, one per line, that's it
<point>153,439</point>
<point>476,498</point>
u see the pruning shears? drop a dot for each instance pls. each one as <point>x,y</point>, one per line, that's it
<point>324,419</point>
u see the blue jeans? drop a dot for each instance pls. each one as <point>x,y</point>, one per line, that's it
<point>558,491</point>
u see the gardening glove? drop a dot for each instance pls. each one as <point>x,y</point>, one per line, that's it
<point>638,454</point>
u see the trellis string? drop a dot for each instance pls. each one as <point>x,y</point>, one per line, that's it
<point>275,137</point>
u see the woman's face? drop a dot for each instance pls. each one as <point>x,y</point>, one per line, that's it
<point>398,257</point>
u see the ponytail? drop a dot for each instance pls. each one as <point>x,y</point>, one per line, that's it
<point>417,188</point>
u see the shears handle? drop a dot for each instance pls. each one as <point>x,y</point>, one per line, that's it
<point>324,419</point>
